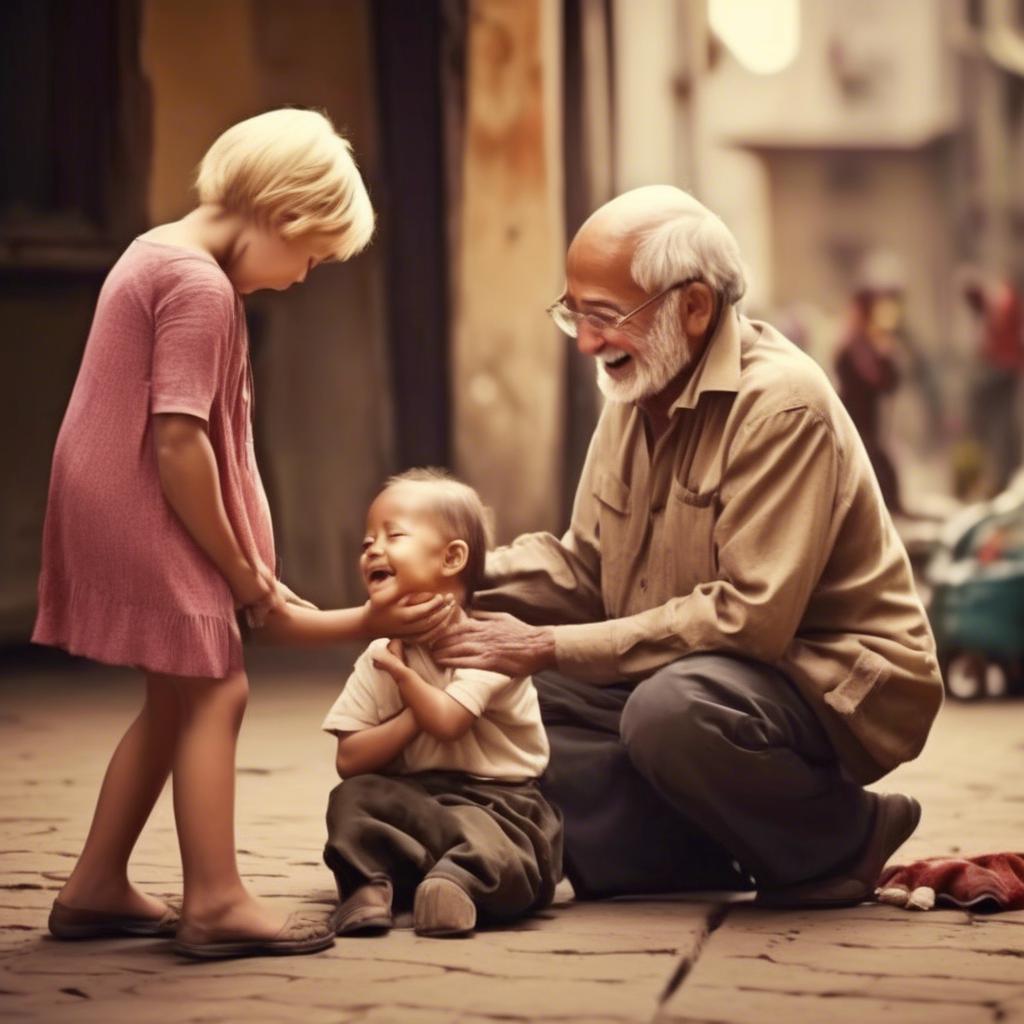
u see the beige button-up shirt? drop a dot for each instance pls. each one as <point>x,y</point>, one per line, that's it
<point>754,527</point>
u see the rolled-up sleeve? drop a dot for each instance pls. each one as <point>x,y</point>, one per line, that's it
<point>474,688</point>
<point>779,499</point>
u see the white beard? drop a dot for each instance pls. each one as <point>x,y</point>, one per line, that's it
<point>664,355</point>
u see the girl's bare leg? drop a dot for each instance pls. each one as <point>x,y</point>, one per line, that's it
<point>204,809</point>
<point>135,776</point>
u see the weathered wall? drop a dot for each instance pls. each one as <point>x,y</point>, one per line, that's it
<point>508,361</point>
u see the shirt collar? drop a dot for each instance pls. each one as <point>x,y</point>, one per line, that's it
<point>719,366</point>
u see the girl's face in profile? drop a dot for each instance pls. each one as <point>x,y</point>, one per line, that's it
<point>404,552</point>
<point>263,259</point>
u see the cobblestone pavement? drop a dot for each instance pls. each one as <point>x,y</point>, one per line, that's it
<point>670,961</point>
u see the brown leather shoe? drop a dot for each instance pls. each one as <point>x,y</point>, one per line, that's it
<point>367,911</point>
<point>72,923</point>
<point>442,909</point>
<point>896,817</point>
<point>301,933</point>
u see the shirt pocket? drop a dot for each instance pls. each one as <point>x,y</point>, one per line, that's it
<point>689,555</point>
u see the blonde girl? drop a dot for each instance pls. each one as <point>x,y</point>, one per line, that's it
<point>157,526</point>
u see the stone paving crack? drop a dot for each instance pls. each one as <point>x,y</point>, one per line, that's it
<point>76,992</point>
<point>716,917</point>
<point>946,1000</point>
<point>512,1017</point>
<point>663,951</point>
<point>877,975</point>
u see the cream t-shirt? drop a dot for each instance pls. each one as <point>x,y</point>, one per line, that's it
<point>507,741</point>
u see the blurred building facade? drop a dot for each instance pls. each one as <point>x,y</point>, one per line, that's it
<point>822,131</point>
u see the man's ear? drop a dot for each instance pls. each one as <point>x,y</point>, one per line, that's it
<point>456,555</point>
<point>698,309</point>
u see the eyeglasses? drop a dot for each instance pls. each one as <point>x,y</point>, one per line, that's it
<point>568,320</point>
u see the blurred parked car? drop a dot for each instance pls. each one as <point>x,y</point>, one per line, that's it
<point>976,607</point>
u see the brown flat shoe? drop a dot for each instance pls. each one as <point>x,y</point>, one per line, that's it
<point>71,923</point>
<point>301,933</point>
<point>367,911</point>
<point>442,909</point>
<point>896,817</point>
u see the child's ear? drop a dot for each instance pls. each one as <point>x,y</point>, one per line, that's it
<point>456,555</point>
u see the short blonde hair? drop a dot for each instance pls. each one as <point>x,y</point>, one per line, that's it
<point>460,514</point>
<point>288,169</point>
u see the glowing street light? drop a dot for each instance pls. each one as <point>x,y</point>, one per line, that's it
<point>763,35</point>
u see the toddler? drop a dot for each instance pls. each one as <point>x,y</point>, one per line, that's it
<point>440,805</point>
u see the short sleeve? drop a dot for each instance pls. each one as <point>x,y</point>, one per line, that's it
<point>359,704</point>
<point>474,688</point>
<point>192,332</point>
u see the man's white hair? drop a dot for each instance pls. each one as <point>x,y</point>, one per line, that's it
<point>689,242</point>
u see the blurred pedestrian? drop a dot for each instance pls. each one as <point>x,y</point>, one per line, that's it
<point>868,370</point>
<point>992,416</point>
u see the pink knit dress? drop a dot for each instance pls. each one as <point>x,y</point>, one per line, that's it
<point>122,581</point>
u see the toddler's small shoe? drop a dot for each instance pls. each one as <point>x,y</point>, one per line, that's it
<point>72,923</point>
<point>442,909</point>
<point>367,911</point>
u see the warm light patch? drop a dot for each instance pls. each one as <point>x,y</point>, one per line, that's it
<point>763,35</point>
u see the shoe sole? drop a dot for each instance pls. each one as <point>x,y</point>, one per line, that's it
<point>237,950</point>
<point>70,925</point>
<point>371,926</point>
<point>125,930</point>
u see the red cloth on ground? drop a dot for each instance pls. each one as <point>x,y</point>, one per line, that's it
<point>990,881</point>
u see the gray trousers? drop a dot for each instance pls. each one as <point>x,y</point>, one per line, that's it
<point>713,773</point>
<point>500,841</point>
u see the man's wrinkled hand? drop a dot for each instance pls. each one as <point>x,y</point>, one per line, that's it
<point>497,642</point>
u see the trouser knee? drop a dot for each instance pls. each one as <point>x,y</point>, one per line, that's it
<point>660,722</point>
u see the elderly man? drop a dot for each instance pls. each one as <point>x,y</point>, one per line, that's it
<point>740,644</point>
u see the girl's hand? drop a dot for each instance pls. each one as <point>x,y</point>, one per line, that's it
<point>250,586</point>
<point>291,597</point>
<point>258,593</point>
<point>410,617</point>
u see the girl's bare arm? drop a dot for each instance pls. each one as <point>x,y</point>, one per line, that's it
<point>191,484</point>
<point>295,626</point>
<point>413,615</point>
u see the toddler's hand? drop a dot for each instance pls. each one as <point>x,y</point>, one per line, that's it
<point>391,659</point>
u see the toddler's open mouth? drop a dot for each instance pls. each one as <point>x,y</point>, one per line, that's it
<point>379,575</point>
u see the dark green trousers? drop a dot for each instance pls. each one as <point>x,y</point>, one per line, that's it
<point>501,841</point>
<point>709,771</point>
